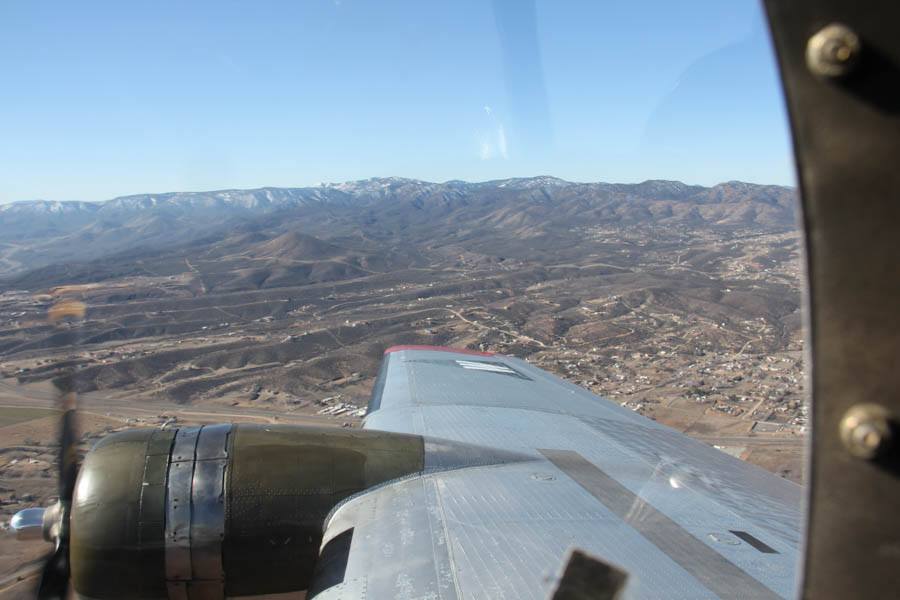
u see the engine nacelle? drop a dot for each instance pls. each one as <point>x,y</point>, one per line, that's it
<point>215,510</point>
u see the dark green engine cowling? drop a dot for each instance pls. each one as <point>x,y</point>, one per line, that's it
<point>219,510</point>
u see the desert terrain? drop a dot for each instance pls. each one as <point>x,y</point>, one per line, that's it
<point>680,303</point>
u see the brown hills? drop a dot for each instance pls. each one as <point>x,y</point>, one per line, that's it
<point>681,302</point>
<point>393,211</point>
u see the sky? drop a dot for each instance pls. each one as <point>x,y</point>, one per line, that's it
<point>105,99</point>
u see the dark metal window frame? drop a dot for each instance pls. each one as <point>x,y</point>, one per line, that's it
<point>839,66</point>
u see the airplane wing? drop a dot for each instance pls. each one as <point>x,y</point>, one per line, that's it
<point>534,466</point>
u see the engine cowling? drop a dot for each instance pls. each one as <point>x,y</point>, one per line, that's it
<point>215,510</point>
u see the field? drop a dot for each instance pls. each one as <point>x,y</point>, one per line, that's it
<point>11,415</point>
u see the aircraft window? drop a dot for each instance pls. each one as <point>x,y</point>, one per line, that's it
<point>219,213</point>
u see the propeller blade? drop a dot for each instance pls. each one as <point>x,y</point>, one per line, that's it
<point>68,438</point>
<point>55,578</point>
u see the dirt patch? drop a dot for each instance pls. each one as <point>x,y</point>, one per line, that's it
<point>786,460</point>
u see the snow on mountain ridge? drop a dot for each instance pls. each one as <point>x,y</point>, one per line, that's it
<point>47,206</point>
<point>375,188</point>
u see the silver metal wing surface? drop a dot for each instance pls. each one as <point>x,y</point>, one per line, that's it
<point>521,466</point>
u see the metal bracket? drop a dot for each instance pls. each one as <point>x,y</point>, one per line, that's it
<point>840,66</point>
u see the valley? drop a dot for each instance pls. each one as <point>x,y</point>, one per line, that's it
<point>685,310</point>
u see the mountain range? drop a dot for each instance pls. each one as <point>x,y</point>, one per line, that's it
<point>373,221</point>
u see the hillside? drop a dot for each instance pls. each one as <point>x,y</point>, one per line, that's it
<point>386,210</point>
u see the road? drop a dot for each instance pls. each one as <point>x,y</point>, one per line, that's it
<point>518,336</point>
<point>754,440</point>
<point>102,405</point>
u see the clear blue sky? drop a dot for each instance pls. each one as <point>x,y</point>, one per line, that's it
<point>102,99</point>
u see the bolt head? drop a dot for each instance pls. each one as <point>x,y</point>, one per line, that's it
<point>833,52</point>
<point>866,431</point>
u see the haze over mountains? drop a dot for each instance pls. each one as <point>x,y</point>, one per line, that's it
<point>379,221</point>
